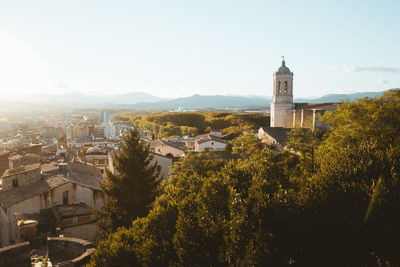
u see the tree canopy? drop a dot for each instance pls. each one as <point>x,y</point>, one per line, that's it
<point>267,208</point>
<point>193,123</point>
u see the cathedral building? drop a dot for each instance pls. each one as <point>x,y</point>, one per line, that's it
<point>285,114</point>
<point>282,105</point>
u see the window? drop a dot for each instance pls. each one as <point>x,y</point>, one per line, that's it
<point>15,183</point>
<point>286,86</point>
<point>46,197</point>
<point>65,198</point>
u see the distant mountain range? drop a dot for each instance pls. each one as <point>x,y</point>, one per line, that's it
<point>340,97</point>
<point>141,100</point>
<point>73,99</point>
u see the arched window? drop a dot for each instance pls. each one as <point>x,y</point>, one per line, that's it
<point>286,86</point>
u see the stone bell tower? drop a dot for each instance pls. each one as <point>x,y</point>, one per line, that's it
<point>282,102</point>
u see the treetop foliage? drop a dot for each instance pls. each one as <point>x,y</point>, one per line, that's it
<point>193,123</point>
<point>277,209</point>
<point>134,186</point>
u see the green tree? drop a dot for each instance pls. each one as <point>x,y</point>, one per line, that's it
<point>352,201</point>
<point>131,191</point>
<point>264,209</point>
<point>246,145</point>
<point>304,142</point>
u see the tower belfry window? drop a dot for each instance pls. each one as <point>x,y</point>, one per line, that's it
<point>286,86</point>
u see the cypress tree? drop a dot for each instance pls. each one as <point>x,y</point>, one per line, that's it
<point>131,191</point>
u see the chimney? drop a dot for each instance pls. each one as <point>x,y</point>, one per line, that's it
<point>63,167</point>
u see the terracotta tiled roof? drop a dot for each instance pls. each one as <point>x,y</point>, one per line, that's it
<point>85,175</point>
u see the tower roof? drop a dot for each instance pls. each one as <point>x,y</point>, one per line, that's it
<point>283,69</point>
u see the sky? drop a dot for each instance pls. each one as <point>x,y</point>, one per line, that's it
<point>178,48</point>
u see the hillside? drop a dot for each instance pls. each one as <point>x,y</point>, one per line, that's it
<point>193,123</point>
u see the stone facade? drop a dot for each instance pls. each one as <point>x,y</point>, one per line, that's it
<point>21,176</point>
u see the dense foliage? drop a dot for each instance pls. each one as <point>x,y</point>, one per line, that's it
<point>193,123</point>
<point>133,187</point>
<point>330,200</point>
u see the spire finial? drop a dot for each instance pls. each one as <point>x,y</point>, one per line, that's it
<point>283,61</point>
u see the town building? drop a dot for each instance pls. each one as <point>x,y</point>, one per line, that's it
<point>165,148</point>
<point>209,142</point>
<point>75,220</point>
<point>98,157</point>
<point>28,190</point>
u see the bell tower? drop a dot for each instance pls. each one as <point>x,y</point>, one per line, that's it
<point>282,101</point>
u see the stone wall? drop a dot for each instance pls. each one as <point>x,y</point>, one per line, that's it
<point>25,175</point>
<point>69,251</point>
<point>282,115</point>
<point>17,255</point>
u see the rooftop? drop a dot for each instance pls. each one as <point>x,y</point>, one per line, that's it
<point>11,197</point>
<point>85,175</point>
<point>316,106</point>
<point>27,156</point>
<point>80,173</point>
<point>71,210</point>
<point>208,137</point>
<point>280,134</point>
<point>157,142</point>
<point>22,169</point>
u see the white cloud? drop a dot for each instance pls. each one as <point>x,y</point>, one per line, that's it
<point>381,81</point>
<point>62,85</point>
<point>348,68</point>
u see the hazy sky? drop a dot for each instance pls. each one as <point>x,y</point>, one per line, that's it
<point>179,48</point>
